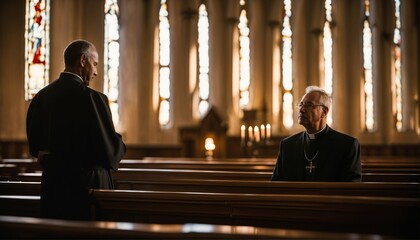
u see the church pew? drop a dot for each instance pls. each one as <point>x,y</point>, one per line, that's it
<point>391,177</point>
<point>8,171</point>
<point>378,165</point>
<point>20,188</point>
<point>393,189</point>
<point>139,174</point>
<point>253,166</point>
<point>23,164</point>
<point>12,227</point>
<point>28,177</point>
<point>397,189</point>
<point>151,174</point>
<point>391,159</point>
<point>369,215</point>
<point>371,165</point>
<point>20,205</point>
<point>197,159</point>
<point>198,165</point>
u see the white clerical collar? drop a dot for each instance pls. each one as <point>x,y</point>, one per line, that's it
<point>313,135</point>
<point>74,75</point>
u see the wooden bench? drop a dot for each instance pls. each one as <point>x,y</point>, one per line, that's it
<point>392,189</point>
<point>142,174</point>
<point>189,159</point>
<point>256,165</point>
<point>199,165</point>
<point>8,171</point>
<point>20,205</point>
<point>391,177</point>
<point>20,188</point>
<point>151,174</point>
<point>397,189</point>
<point>28,177</point>
<point>39,228</point>
<point>368,215</point>
<point>396,217</point>
<point>23,164</point>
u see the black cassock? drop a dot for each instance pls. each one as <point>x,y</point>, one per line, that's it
<point>70,129</point>
<point>328,156</point>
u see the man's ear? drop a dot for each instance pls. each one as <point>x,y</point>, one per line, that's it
<point>82,60</point>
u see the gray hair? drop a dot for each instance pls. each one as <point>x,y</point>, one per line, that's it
<point>74,50</point>
<point>325,98</point>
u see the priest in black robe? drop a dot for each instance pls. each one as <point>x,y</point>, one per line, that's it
<point>71,132</point>
<point>320,153</point>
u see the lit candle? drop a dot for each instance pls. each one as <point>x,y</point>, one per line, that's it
<point>262,132</point>
<point>243,133</point>
<point>209,144</point>
<point>268,130</point>
<point>257,134</point>
<point>250,136</point>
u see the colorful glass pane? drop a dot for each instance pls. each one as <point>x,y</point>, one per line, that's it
<point>36,46</point>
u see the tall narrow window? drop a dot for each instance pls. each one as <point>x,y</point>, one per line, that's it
<point>203,60</point>
<point>164,60</point>
<point>368,73</point>
<point>112,55</point>
<point>328,44</point>
<point>287,79</point>
<point>244,54</point>
<point>37,43</point>
<point>397,80</point>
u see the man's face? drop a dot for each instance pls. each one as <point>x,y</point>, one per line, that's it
<point>311,112</point>
<point>89,67</point>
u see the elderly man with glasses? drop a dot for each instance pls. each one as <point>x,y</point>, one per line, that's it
<point>320,153</point>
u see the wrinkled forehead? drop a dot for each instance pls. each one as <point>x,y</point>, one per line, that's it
<point>312,97</point>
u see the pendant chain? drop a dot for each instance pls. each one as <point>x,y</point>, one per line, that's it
<point>306,156</point>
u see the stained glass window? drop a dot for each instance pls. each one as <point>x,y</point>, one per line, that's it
<point>287,79</point>
<point>164,60</point>
<point>327,43</point>
<point>203,60</point>
<point>37,44</point>
<point>244,62</point>
<point>397,80</point>
<point>112,55</point>
<point>368,73</point>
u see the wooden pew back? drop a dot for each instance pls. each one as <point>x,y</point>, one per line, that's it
<point>12,227</point>
<point>372,215</point>
<point>391,189</point>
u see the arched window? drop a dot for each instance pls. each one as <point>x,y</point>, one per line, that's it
<point>111,56</point>
<point>203,60</point>
<point>397,79</point>
<point>244,55</point>
<point>328,47</point>
<point>287,79</point>
<point>369,121</point>
<point>37,46</point>
<point>164,70</point>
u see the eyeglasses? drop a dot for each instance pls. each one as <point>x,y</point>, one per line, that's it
<point>308,105</point>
